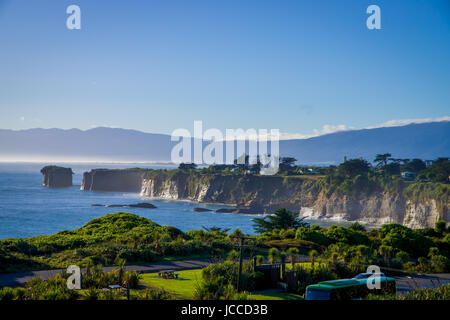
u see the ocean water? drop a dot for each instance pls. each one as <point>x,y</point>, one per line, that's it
<point>28,209</point>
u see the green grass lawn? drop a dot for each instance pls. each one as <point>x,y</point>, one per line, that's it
<point>183,287</point>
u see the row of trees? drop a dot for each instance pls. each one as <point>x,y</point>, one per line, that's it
<point>425,250</point>
<point>384,165</point>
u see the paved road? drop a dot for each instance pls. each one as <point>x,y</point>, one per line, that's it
<point>408,283</point>
<point>19,279</point>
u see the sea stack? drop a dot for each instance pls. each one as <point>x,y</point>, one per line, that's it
<point>56,177</point>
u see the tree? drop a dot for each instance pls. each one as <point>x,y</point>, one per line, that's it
<point>216,229</point>
<point>313,254</point>
<point>433,252</point>
<point>415,165</point>
<point>273,255</point>
<point>281,219</point>
<point>382,161</point>
<point>286,163</point>
<point>440,170</point>
<point>88,265</point>
<point>386,252</point>
<point>392,168</point>
<point>423,263</point>
<point>292,253</point>
<point>440,226</point>
<point>356,226</point>
<point>283,257</point>
<point>126,282</point>
<point>402,256</point>
<point>187,166</point>
<point>362,252</point>
<point>259,260</point>
<point>237,233</point>
<point>352,168</point>
<point>233,255</point>
<point>120,270</point>
<point>440,263</point>
<point>334,258</point>
<point>312,234</point>
<point>242,161</point>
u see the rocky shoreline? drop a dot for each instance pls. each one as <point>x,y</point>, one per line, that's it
<point>143,205</point>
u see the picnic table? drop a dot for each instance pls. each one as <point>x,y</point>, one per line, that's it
<point>168,274</point>
<point>116,287</point>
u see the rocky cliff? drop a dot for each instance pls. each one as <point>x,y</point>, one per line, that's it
<point>268,193</point>
<point>56,177</point>
<point>382,208</point>
<point>260,193</point>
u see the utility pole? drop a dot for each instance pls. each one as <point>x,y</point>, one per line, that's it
<point>241,253</point>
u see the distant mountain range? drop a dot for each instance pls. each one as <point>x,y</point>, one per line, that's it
<point>425,141</point>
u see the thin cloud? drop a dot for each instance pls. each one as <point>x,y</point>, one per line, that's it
<point>327,129</point>
<point>404,122</point>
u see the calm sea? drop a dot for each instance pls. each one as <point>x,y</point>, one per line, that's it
<point>28,209</point>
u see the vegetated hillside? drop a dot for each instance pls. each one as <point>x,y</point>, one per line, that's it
<point>124,236</point>
<point>103,241</point>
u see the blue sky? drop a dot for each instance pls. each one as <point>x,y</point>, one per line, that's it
<point>159,65</point>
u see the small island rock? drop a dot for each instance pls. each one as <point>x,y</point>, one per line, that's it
<point>56,177</point>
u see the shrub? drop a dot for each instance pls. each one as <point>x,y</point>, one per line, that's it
<point>310,234</point>
<point>255,281</point>
<point>440,264</point>
<point>6,294</point>
<point>20,293</point>
<point>132,279</point>
<point>440,293</point>
<point>92,294</point>
<point>218,279</point>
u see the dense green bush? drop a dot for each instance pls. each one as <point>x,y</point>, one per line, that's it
<point>313,234</point>
<point>405,239</point>
<point>53,289</point>
<point>346,235</point>
<point>219,281</point>
<point>307,277</point>
<point>255,281</point>
<point>6,294</point>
